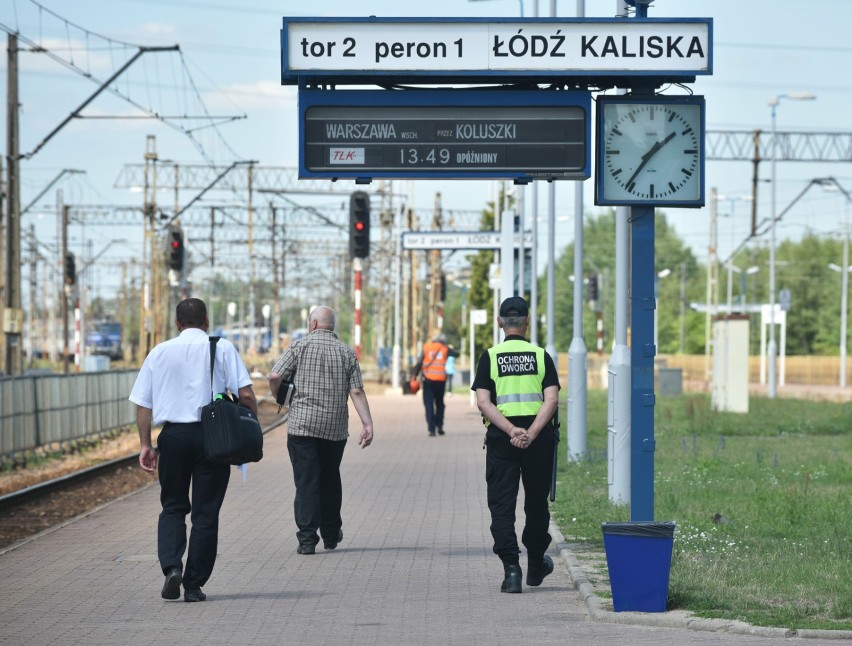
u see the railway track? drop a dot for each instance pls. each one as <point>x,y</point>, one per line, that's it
<point>37,507</point>
<point>41,489</point>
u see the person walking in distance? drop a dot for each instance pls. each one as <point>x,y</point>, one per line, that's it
<point>172,387</point>
<point>432,365</point>
<point>517,392</point>
<point>326,374</point>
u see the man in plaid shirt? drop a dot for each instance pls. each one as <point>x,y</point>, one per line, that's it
<point>327,374</point>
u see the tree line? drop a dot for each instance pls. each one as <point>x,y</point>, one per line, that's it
<point>813,318</point>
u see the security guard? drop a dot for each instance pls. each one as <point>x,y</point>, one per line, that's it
<point>517,392</point>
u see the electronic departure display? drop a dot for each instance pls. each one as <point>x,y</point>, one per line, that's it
<point>518,141</point>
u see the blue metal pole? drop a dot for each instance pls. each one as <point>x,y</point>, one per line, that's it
<point>642,351</point>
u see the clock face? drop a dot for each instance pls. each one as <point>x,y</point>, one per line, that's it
<point>651,152</point>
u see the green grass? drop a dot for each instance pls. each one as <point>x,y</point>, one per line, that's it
<point>778,482</point>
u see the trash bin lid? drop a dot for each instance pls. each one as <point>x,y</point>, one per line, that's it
<point>661,529</point>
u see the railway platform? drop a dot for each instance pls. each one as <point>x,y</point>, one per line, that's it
<point>414,567</point>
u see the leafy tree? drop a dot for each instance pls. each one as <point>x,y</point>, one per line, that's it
<point>599,258</point>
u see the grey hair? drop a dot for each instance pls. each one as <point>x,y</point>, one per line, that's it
<point>513,321</point>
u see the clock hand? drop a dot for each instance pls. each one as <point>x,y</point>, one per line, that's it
<point>647,156</point>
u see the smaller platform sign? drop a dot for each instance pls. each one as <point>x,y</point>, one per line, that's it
<point>446,240</point>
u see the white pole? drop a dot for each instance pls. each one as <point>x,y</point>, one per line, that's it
<point>534,270</point>
<point>550,347</point>
<point>534,258</point>
<point>577,353</point>
<point>397,295</point>
<point>618,402</point>
<point>656,314</point>
<point>507,256</point>
<point>773,350</point>
<point>495,305</point>
<point>522,250</point>
<point>844,289</point>
<point>472,359</point>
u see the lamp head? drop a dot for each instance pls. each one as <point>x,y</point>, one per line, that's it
<point>793,96</point>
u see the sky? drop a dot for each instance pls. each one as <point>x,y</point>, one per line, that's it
<point>231,60</point>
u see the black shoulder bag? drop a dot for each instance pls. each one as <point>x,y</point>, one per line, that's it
<point>231,432</point>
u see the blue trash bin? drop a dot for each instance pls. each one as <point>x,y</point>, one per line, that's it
<point>639,559</point>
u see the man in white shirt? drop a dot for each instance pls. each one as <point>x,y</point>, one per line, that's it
<point>172,387</point>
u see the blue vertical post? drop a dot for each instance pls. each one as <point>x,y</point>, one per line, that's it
<point>642,351</point>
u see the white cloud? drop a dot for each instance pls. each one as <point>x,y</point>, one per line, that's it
<point>262,94</point>
<point>158,29</point>
<point>71,50</point>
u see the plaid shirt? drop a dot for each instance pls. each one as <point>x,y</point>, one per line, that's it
<point>326,370</point>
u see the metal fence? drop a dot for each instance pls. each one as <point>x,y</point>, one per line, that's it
<point>37,410</point>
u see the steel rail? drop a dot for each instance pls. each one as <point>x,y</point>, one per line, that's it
<point>36,491</point>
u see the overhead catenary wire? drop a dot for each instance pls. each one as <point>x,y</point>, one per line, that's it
<point>74,53</point>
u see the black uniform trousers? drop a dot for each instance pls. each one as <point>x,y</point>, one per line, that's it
<point>433,401</point>
<point>505,467</point>
<point>319,491</point>
<point>182,463</point>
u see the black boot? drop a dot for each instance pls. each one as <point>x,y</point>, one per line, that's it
<point>537,571</point>
<point>512,580</point>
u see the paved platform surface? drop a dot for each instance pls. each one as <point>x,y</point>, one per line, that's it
<point>415,565</point>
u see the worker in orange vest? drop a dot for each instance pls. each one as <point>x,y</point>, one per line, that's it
<point>431,365</point>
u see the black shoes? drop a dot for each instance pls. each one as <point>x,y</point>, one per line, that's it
<point>171,588</point>
<point>191,596</point>
<point>330,545</point>
<point>431,433</point>
<point>512,580</point>
<point>306,549</point>
<point>440,430</point>
<point>537,572</point>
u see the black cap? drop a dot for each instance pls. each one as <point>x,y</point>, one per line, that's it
<point>514,306</point>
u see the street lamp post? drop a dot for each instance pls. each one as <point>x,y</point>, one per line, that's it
<point>772,389</point>
<point>831,184</point>
<point>844,289</point>
<point>743,273</point>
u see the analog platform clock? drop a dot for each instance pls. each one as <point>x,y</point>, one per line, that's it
<point>650,151</point>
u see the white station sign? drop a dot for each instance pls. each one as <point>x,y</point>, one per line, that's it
<point>553,46</point>
<point>459,240</point>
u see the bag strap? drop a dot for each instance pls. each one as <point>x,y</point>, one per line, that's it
<point>433,360</point>
<point>296,357</point>
<point>292,374</point>
<point>213,341</point>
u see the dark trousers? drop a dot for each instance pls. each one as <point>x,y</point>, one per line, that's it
<point>319,492</point>
<point>182,464</point>
<point>433,401</point>
<point>505,467</point>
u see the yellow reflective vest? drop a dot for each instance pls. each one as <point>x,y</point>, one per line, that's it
<point>517,369</point>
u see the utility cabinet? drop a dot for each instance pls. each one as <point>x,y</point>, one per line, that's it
<point>729,391</point>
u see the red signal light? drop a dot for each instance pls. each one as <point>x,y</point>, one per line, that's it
<point>359,226</point>
<point>175,244</point>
